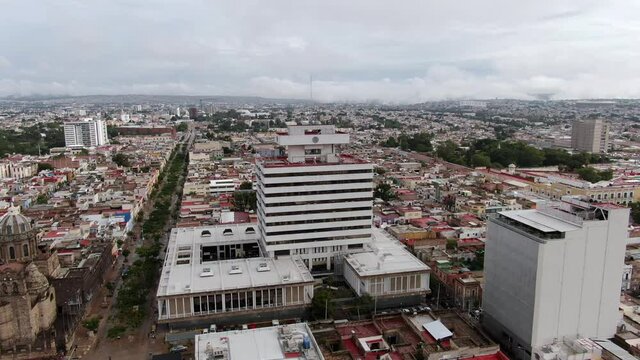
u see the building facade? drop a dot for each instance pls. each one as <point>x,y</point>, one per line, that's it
<point>590,135</point>
<point>211,272</point>
<point>27,300</point>
<point>17,170</point>
<point>85,133</point>
<point>554,272</point>
<point>387,271</point>
<point>315,202</point>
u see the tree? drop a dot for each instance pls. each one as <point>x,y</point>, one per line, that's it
<point>391,142</point>
<point>42,199</point>
<point>246,185</point>
<point>321,305</point>
<point>244,200</point>
<point>364,304</point>
<point>182,127</point>
<point>44,166</point>
<point>92,323</point>
<point>592,175</point>
<point>383,191</point>
<point>480,160</point>
<point>121,160</point>
<point>477,264</point>
<point>448,151</point>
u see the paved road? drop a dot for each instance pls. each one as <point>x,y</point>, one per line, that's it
<point>138,344</point>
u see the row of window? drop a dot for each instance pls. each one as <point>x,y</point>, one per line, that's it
<point>315,221</point>
<point>312,183</point>
<point>402,283</point>
<point>324,192</point>
<point>307,231</point>
<point>365,236</point>
<point>227,232</point>
<point>317,250</point>
<point>335,201</point>
<point>314,173</point>
<point>12,252</point>
<point>9,229</point>
<point>324,211</point>
<point>232,301</point>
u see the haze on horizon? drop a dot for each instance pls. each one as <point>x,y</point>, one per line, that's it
<point>400,52</point>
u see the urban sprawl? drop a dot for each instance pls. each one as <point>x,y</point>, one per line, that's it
<point>140,227</point>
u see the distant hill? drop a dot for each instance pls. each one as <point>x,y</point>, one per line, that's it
<point>151,99</point>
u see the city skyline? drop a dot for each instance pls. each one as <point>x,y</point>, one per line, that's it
<point>394,53</point>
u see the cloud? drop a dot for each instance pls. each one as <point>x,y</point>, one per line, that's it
<point>415,50</point>
<point>4,62</point>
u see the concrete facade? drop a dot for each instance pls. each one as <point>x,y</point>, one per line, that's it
<point>553,273</point>
<point>590,135</point>
<point>315,203</point>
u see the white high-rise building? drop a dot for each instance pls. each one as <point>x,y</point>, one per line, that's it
<point>85,133</point>
<point>554,273</point>
<point>315,202</point>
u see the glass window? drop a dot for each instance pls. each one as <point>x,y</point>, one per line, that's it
<point>196,304</point>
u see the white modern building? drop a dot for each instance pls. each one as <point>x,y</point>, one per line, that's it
<point>293,341</point>
<point>222,186</point>
<point>208,273</point>
<point>314,203</point>
<point>554,273</point>
<point>85,133</point>
<point>388,270</point>
<point>590,135</point>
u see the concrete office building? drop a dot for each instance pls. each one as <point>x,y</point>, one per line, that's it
<point>213,274</point>
<point>389,272</point>
<point>315,202</point>
<point>554,273</point>
<point>85,133</point>
<point>590,135</point>
<point>222,186</point>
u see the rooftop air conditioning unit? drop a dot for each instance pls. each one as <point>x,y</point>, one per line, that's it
<point>235,269</point>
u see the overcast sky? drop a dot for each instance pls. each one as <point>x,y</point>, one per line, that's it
<point>356,50</point>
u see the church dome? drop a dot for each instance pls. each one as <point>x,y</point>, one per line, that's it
<point>14,223</point>
<point>35,281</point>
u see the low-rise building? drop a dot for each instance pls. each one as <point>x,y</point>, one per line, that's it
<point>293,341</point>
<point>196,286</point>
<point>388,271</point>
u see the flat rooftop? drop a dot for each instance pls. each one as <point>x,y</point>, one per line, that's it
<point>274,343</point>
<point>213,235</point>
<point>184,273</point>
<point>540,220</point>
<point>284,162</point>
<point>386,256</point>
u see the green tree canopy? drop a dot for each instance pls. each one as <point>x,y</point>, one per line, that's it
<point>321,305</point>
<point>121,160</point>
<point>384,191</point>
<point>44,166</point>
